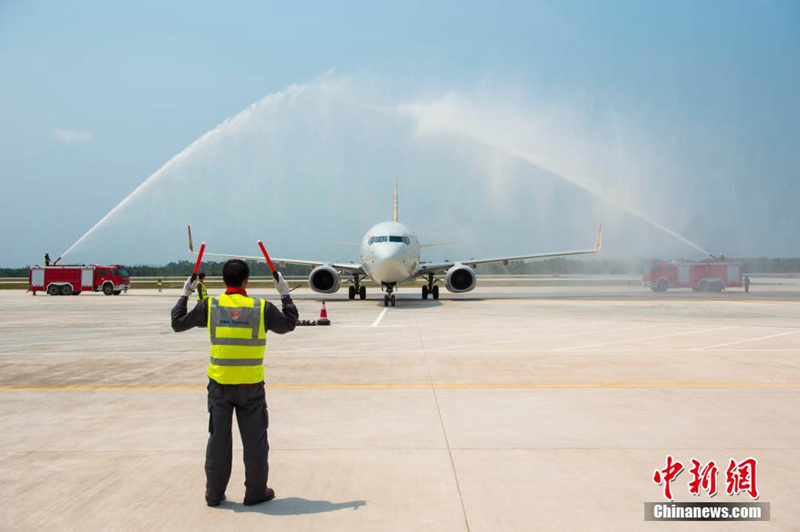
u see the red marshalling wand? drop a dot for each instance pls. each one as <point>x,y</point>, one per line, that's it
<point>269,261</point>
<point>199,260</point>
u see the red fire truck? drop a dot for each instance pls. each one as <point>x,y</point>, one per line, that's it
<point>706,276</point>
<point>72,280</point>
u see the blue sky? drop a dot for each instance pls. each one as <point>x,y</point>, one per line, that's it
<point>97,96</point>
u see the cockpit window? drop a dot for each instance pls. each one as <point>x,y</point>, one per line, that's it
<point>399,239</point>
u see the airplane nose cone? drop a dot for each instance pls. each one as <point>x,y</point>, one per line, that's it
<point>386,252</point>
<point>388,265</point>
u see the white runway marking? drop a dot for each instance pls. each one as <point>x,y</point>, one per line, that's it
<point>644,339</point>
<point>380,317</point>
<point>744,341</point>
<point>370,326</point>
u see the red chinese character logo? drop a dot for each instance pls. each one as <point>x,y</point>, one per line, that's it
<point>741,477</point>
<point>703,478</point>
<point>667,475</point>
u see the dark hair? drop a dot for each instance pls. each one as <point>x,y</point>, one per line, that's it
<point>235,272</point>
<point>201,275</point>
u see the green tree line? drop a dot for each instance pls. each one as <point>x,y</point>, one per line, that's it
<point>556,266</point>
<point>182,268</point>
<point>563,266</point>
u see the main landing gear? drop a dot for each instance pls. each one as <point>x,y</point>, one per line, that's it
<point>430,288</point>
<point>388,298</point>
<point>357,288</point>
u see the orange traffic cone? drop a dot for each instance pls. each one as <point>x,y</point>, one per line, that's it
<point>323,316</point>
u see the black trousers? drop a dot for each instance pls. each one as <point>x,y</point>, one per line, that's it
<point>250,404</point>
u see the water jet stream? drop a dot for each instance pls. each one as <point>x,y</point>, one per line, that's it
<point>553,169</point>
<point>419,112</point>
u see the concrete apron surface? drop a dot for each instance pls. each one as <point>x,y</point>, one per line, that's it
<point>482,414</point>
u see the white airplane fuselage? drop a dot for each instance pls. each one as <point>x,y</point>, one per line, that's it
<point>390,253</point>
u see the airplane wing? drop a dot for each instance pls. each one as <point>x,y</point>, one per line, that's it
<point>438,244</point>
<point>343,266</point>
<point>428,267</point>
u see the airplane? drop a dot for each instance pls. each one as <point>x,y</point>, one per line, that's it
<point>391,255</point>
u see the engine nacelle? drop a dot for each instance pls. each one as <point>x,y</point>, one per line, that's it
<point>461,278</point>
<point>324,279</point>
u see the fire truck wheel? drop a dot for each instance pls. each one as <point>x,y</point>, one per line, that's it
<point>108,289</point>
<point>53,290</point>
<point>66,290</point>
<point>663,285</point>
<point>703,286</point>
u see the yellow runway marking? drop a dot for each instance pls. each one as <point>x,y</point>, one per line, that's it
<point>408,386</point>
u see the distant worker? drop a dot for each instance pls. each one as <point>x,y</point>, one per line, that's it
<point>160,285</point>
<point>746,284</point>
<point>202,291</point>
<point>237,326</point>
<point>47,259</point>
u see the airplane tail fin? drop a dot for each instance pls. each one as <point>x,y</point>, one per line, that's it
<point>395,214</point>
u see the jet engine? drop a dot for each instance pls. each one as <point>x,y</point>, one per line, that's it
<point>461,278</point>
<point>324,279</point>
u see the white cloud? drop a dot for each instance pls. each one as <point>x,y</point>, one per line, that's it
<point>70,136</point>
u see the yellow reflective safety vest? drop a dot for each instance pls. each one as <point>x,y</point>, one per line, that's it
<point>202,292</point>
<point>238,339</point>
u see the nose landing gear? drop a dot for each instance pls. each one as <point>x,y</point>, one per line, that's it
<point>388,298</point>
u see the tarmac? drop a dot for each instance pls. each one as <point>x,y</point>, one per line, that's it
<point>505,409</point>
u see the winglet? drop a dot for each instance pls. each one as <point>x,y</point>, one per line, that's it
<point>599,244</point>
<point>191,245</point>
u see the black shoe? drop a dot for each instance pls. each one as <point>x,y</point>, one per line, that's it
<point>215,503</point>
<point>269,494</point>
